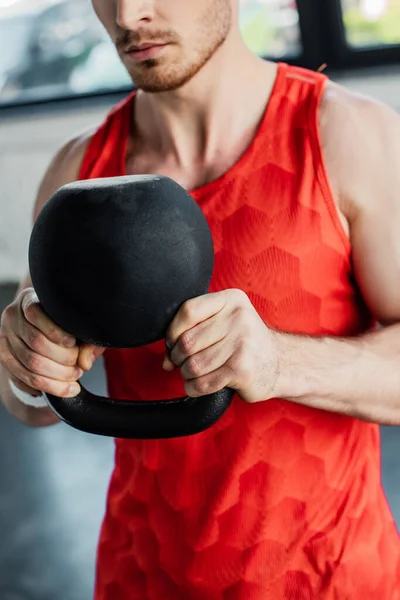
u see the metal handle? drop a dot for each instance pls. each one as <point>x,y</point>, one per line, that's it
<point>141,419</point>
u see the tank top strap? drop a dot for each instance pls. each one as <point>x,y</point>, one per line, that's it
<point>295,100</point>
<point>105,155</point>
<point>297,81</point>
<point>294,118</point>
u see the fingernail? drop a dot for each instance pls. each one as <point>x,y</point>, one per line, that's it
<point>79,373</point>
<point>74,389</point>
<point>168,344</point>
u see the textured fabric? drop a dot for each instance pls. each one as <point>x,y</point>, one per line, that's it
<point>277,500</point>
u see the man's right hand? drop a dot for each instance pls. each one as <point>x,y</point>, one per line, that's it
<point>37,354</point>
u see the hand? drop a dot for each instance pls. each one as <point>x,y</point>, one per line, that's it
<point>219,340</point>
<point>38,355</point>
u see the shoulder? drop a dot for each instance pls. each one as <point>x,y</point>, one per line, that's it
<point>63,168</point>
<point>360,139</point>
<point>67,161</point>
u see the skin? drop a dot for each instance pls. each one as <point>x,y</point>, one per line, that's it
<point>199,106</point>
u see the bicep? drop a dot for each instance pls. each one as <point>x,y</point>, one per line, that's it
<point>376,259</point>
<point>362,147</point>
<point>374,189</point>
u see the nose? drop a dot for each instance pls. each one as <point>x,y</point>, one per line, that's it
<point>131,13</point>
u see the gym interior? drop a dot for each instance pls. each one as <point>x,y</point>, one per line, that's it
<point>59,74</point>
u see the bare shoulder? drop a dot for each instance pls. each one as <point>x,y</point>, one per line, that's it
<point>63,168</point>
<point>360,139</point>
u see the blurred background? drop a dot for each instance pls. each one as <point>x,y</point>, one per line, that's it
<point>59,75</point>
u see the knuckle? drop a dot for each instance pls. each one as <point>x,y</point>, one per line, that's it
<point>186,341</point>
<point>35,381</point>
<point>202,387</point>
<point>189,310</point>
<point>54,334</point>
<point>7,361</point>
<point>31,312</point>
<point>33,362</point>
<point>36,341</point>
<point>239,295</point>
<point>194,366</point>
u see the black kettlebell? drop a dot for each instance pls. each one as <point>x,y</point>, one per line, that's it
<point>112,260</point>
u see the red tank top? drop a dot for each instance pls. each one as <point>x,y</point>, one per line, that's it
<point>277,500</point>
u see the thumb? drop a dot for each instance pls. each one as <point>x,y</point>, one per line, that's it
<point>98,351</point>
<point>88,354</point>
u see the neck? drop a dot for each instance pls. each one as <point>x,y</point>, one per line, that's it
<point>221,105</point>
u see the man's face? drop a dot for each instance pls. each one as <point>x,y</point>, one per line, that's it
<point>164,43</point>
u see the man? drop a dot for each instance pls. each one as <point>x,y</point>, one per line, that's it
<point>299,181</point>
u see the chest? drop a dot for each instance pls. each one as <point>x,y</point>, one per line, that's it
<point>274,238</point>
<point>191,176</point>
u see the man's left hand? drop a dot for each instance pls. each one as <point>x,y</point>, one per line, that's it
<point>219,340</point>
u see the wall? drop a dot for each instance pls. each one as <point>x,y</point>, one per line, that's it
<point>29,139</point>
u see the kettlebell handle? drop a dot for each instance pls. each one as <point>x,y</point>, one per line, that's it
<point>141,419</point>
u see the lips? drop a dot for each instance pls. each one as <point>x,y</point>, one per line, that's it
<point>143,47</point>
<point>145,51</point>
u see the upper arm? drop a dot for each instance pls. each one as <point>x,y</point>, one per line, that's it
<point>361,140</point>
<point>63,168</point>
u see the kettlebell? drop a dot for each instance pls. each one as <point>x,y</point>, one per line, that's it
<point>111,261</point>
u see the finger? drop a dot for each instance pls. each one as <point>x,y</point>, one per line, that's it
<point>40,365</point>
<point>22,386</point>
<point>209,384</point>
<point>39,343</point>
<point>35,315</point>
<point>207,361</point>
<point>193,312</point>
<point>168,365</point>
<point>39,382</point>
<point>88,354</point>
<point>199,338</point>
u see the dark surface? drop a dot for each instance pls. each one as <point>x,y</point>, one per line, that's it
<point>141,420</point>
<point>52,495</point>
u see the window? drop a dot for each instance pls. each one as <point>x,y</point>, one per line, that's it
<point>53,48</point>
<point>271,27</point>
<point>371,22</point>
<point>57,48</point>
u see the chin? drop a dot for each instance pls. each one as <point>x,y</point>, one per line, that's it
<point>159,80</point>
<point>158,87</point>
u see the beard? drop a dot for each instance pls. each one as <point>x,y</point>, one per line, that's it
<point>181,62</point>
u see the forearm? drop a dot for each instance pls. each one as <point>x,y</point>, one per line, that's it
<point>359,377</point>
